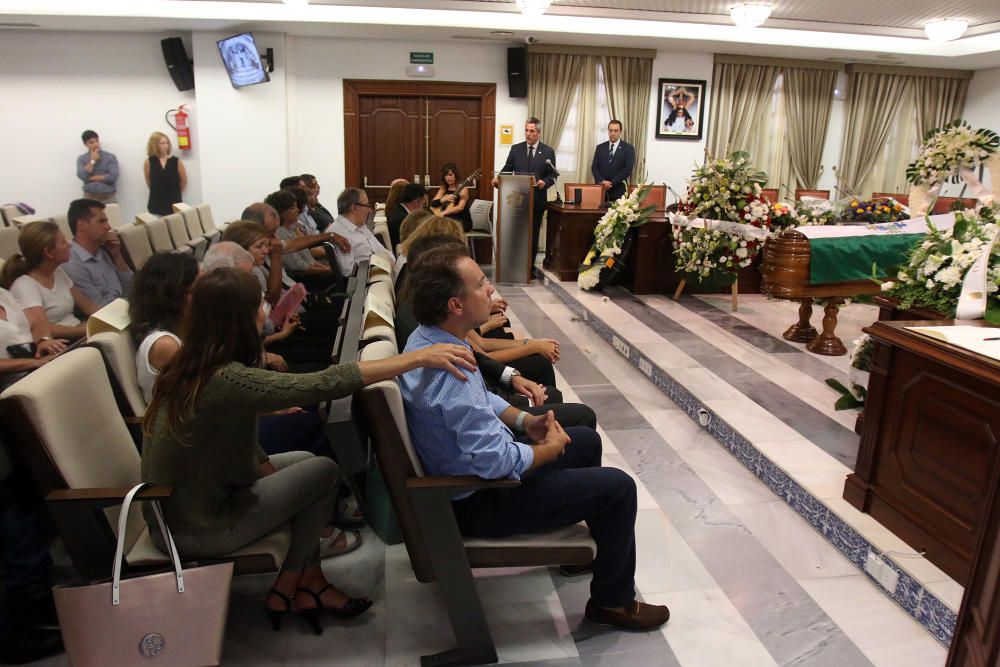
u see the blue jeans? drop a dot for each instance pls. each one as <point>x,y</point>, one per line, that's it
<point>572,488</point>
<point>27,566</point>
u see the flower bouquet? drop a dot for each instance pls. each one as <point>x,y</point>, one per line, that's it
<point>874,211</point>
<point>946,150</point>
<point>815,212</point>
<point>783,217</point>
<point>727,190</point>
<point>933,275</point>
<point>603,262</point>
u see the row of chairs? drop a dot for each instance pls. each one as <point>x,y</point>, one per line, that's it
<point>189,229</point>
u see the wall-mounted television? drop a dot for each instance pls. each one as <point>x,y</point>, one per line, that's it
<point>242,60</point>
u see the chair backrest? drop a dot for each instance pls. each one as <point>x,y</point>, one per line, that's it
<point>178,231</point>
<point>770,194</point>
<point>159,235</point>
<point>67,424</point>
<point>8,242</point>
<point>657,196</point>
<point>22,220</point>
<point>591,194</point>
<point>118,349</point>
<point>180,207</point>
<point>192,222</point>
<point>380,228</point>
<point>8,212</point>
<point>115,217</point>
<point>382,406</point>
<point>815,194</point>
<point>481,211</point>
<point>946,204</point>
<point>62,220</point>
<point>206,219</point>
<point>137,246</point>
<point>145,218</point>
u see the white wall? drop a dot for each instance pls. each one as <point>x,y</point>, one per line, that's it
<point>982,106</point>
<point>672,161</point>
<point>318,67</point>
<point>55,85</point>
<point>242,132</point>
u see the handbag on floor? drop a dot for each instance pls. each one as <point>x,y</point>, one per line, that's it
<point>175,618</point>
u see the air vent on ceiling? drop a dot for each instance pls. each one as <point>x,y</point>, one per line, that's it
<point>19,25</point>
<point>483,38</point>
<point>867,61</point>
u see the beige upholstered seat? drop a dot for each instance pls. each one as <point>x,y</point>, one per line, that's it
<point>208,228</point>
<point>135,240</point>
<point>145,218</point>
<point>63,221</point>
<point>115,217</point>
<point>159,235</point>
<point>119,349</point>
<point>180,237</point>
<point>381,230</point>
<point>8,212</point>
<point>436,550</point>
<point>22,220</point>
<point>69,431</point>
<point>8,242</point>
<point>199,241</point>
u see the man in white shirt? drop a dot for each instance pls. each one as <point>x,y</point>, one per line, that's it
<point>353,212</point>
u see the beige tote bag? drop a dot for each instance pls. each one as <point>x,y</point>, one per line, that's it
<point>168,619</point>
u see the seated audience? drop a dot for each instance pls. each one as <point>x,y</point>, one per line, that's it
<point>430,225</point>
<point>201,440</point>
<point>96,264</point>
<point>320,214</point>
<point>301,264</point>
<point>25,343</point>
<point>458,428</point>
<point>412,221</point>
<point>395,190</point>
<point>452,203</point>
<point>412,197</point>
<point>353,212</point>
<point>36,279</point>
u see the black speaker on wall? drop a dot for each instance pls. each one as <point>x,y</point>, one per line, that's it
<point>178,64</point>
<point>517,71</point>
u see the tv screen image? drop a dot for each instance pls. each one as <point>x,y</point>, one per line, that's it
<point>242,60</point>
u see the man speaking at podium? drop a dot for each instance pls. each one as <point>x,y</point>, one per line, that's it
<point>531,156</point>
<point>613,162</point>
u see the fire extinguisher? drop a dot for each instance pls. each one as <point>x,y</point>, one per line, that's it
<point>180,126</point>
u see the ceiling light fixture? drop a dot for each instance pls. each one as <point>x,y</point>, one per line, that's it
<point>533,7</point>
<point>749,14</point>
<point>945,30</point>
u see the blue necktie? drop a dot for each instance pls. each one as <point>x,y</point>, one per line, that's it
<point>611,154</point>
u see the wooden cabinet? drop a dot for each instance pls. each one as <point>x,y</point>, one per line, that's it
<point>930,443</point>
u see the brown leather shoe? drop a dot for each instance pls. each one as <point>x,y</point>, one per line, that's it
<point>638,616</point>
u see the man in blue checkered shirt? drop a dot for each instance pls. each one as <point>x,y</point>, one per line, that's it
<point>460,428</point>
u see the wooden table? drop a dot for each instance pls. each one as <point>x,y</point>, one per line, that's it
<point>569,233</point>
<point>930,445</point>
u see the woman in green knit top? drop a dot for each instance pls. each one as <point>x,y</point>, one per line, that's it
<point>201,439</point>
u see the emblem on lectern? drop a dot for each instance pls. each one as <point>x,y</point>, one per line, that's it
<point>515,200</point>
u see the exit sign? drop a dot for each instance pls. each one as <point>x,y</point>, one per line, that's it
<point>422,57</point>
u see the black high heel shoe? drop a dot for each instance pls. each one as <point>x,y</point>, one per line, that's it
<point>274,615</point>
<point>354,606</point>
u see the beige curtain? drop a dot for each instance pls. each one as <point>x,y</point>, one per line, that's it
<point>741,97</point>
<point>586,121</point>
<point>888,174</point>
<point>552,82</point>
<point>808,98</point>
<point>628,82</point>
<point>875,99</point>
<point>940,100</point>
<point>768,143</point>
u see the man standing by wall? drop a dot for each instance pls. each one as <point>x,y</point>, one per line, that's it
<point>613,162</point>
<point>534,157</point>
<point>98,169</point>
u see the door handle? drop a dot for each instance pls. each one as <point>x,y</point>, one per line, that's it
<point>427,179</point>
<point>366,183</point>
<point>416,179</point>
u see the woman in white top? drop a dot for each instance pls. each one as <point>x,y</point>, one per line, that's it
<point>156,303</point>
<point>16,329</point>
<point>37,282</point>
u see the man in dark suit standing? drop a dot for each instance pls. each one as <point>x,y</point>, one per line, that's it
<point>613,162</point>
<point>534,157</point>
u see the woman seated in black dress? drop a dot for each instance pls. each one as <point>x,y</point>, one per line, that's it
<point>448,202</point>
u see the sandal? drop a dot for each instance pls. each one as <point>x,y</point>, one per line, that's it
<point>274,615</point>
<point>349,515</point>
<point>328,547</point>
<point>353,607</point>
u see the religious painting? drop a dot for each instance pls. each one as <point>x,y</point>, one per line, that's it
<point>680,109</point>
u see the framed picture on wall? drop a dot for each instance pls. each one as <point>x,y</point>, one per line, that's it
<point>681,109</point>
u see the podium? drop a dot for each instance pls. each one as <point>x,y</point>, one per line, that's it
<point>515,203</point>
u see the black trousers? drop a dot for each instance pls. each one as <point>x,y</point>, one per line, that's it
<point>536,368</point>
<point>570,489</point>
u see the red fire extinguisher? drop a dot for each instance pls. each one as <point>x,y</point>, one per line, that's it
<point>180,126</point>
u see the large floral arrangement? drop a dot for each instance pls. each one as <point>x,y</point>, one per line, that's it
<point>609,237</point>
<point>936,268</point>
<point>874,211</point>
<point>727,190</point>
<point>948,149</point>
<point>783,217</point>
<point>814,212</point>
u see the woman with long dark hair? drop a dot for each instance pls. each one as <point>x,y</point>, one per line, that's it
<point>201,439</point>
<point>451,202</point>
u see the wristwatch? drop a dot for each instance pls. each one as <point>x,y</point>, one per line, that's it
<point>93,162</point>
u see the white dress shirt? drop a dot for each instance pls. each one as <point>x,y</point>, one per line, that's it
<point>363,244</point>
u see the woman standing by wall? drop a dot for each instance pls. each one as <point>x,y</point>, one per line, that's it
<point>165,175</point>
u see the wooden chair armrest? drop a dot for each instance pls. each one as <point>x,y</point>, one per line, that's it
<point>132,419</point>
<point>112,494</point>
<point>458,483</point>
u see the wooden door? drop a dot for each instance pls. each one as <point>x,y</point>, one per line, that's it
<point>409,129</point>
<point>391,142</point>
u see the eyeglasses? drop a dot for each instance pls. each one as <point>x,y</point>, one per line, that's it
<point>365,205</point>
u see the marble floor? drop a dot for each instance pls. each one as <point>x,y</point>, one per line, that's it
<point>748,580</point>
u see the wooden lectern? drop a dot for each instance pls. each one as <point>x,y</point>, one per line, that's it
<point>515,203</point>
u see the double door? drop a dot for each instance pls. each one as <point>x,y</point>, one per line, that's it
<point>406,130</point>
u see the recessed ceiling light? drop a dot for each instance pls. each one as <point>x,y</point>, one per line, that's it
<point>750,15</point>
<point>501,33</point>
<point>945,30</point>
<point>533,7</point>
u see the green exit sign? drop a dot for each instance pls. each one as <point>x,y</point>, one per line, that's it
<point>422,57</point>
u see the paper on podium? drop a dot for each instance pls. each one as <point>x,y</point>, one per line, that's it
<point>981,340</point>
<point>112,317</point>
<point>380,263</point>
